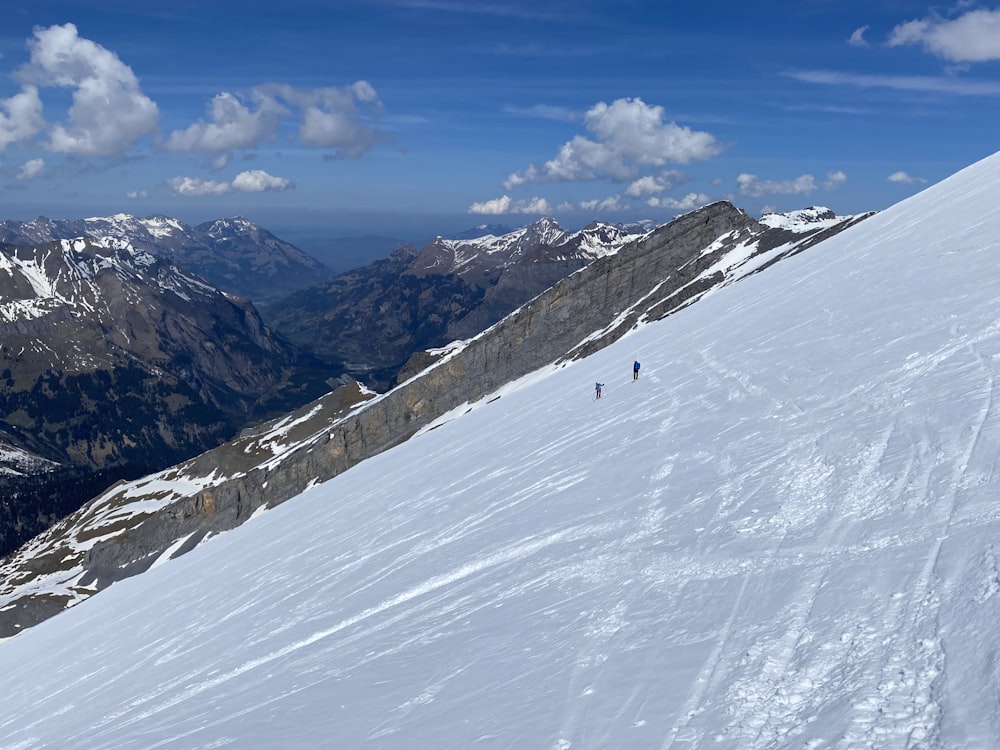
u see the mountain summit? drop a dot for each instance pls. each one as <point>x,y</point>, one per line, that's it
<point>235,255</point>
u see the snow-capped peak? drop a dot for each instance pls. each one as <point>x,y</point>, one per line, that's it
<point>802,220</point>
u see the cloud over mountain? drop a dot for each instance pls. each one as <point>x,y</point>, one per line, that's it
<point>251,181</point>
<point>628,135</point>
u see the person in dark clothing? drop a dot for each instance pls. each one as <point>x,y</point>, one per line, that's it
<point>597,389</point>
<point>635,370</point>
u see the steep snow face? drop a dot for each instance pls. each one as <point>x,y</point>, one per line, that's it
<point>783,535</point>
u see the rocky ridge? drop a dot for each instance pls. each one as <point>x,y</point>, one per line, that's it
<point>372,319</point>
<point>133,525</point>
<point>234,255</point>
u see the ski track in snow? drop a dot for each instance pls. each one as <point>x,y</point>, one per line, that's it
<point>780,536</point>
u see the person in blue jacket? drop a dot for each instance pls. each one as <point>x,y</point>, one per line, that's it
<point>597,389</point>
<point>635,370</point>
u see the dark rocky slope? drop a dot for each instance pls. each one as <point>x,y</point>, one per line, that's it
<point>113,363</point>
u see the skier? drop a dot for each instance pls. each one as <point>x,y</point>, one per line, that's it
<point>597,389</point>
<point>635,370</point>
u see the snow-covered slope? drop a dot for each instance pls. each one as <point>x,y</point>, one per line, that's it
<point>782,536</point>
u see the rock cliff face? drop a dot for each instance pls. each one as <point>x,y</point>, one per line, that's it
<point>131,526</point>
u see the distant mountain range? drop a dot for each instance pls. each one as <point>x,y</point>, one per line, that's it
<point>234,255</point>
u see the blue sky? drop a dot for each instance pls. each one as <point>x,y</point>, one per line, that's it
<point>425,116</point>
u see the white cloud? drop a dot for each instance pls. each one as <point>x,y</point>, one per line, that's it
<point>20,117</point>
<point>751,185</point>
<point>109,111</point>
<point>973,37</point>
<point>31,169</point>
<point>231,125</point>
<point>334,118</point>
<point>943,84</point>
<point>191,186</point>
<point>903,177</point>
<point>654,185</point>
<point>504,205</point>
<point>253,181</point>
<point>834,179</point>
<point>647,185</point>
<point>687,203</point>
<point>857,38</point>
<point>629,134</point>
<point>613,203</point>
<point>137,194</point>
<point>257,181</point>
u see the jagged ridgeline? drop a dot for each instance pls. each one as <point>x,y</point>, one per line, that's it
<point>372,319</point>
<point>234,255</point>
<point>114,362</point>
<point>129,527</point>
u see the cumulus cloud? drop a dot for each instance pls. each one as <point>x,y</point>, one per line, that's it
<point>654,185</point>
<point>628,135</point>
<point>505,205</point>
<point>834,179</point>
<point>20,117</point>
<point>335,118</point>
<point>192,186</point>
<point>857,38</point>
<point>904,178</point>
<point>257,181</point>
<point>30,169</point>
<point>253,181</point>
<point>109,111</point>
<point>231,125</point>
<point>687,203</point>
<point>137,194</point>
<point>972,37</point>
<point>750,184</point>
